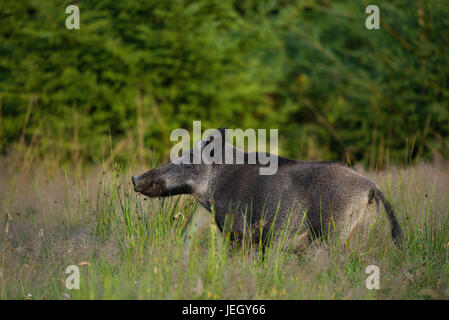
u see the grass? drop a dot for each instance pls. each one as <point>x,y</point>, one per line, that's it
<point>131,247</point>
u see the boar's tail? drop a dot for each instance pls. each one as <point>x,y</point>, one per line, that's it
<point>396,231</point>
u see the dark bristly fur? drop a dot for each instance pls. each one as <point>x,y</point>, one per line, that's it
<point>321,193</point>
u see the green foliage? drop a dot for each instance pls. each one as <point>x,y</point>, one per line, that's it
<point>136,70</point>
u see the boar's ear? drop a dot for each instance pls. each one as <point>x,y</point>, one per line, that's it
<point>216,136</point>
<point>223,135</point>
<point>219,132</point>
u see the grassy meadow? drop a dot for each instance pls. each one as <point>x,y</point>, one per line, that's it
<point>82,110</point>
<point>131,247</point>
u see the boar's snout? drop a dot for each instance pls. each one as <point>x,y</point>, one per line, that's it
<point>150,184</point>
<point>135,181</point>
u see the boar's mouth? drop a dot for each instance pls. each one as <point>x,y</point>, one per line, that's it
<point>151,189</point>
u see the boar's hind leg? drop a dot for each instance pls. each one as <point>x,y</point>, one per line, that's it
<point>299,243</point>
<point>357,220</point>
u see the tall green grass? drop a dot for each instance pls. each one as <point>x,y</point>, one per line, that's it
<point>128,246</point>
